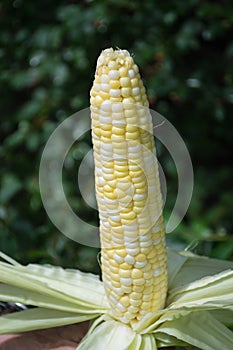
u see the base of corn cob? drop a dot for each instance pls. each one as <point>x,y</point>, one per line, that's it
<point>133,253</point>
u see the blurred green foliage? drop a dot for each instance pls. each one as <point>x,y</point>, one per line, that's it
<point>48,52</point>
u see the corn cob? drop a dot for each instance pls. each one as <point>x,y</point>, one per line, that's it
<point>133,253</point>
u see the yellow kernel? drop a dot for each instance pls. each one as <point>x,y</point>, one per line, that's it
<point>124,273</point>
<point>146,250</point>
<point>118,130</point>
<point>136,295</point>
<point>132,128</point>
<point>117,138</point>
<point>136,273</point>
<point>126,92</point>
<point>106,127</point>
<point>115,284</point>
<point>114,223</point>
<point>121,252</point>
<point>148,275</point>
<point>135,303</point>
<point>97,132</point>
<point>128,216</point>
<point>118,230</point>
<point>122,168</point>
<point>148,290</point>
<point>98,100</point>
<point>140,257</point>
<point>146,305</point>
<point>108,177</point>
<point>124,300</point>
<point>126,289</point>
<point>139,282</point>
<point>116,99</point>
<point>125,82</point>
<point>147,267</point>
<point>128,315</point>
<point>107,188</point>
<point>114,84</point>
<point>129,114</point>
<point>134,82</point>
<point>125,266</point>
<point>147,297</point>
<point>132,135</point>
<point>152,254</point>
<point>104,95</point>
<point>138,289</point>
<point>110,195</point>
<point>113,269</point>
<point>133,310</point>
<point>123,71</point>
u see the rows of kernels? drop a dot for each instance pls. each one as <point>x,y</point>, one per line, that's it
<point>127,190</point>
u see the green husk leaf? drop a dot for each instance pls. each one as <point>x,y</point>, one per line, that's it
<point>109,335</point>
<point>223,316</point>
<point>165,340</point>
<point>148,342</point>
<point>39,318</point>
<point>28,297</point>
<point>199,329</point>
<point>72,286</point>
<point>136,343</point>
<point>213,291</point>
<point>185,267</point>
<point>175,262</point>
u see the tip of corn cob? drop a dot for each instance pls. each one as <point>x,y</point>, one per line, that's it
<point>117,79</point>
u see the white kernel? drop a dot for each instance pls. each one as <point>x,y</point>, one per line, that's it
<point>117,107</point>
<point>115,218</point>
<point>104,87</point>
<point>120,307</point>
<point>146,244</point>
<point>113,74</point>
<point>157,240</point>
<point>139,197</point>
<point>133,310</point>
<point>112,299</point>
<point>157,272</point>
<point>131,73</point>
<point>128,102</point>
<point>144,238</point>
<point>126,281</point>
<point>140,264</point>
<point>115,92</point>
<point>106,106</point>
<point>104,78</point>
<point>96,87</point>
<point>136,91</point>
<point>157,228</point>
<point>118,291</point>
<point>133,244</point>
<point>118,258</point>
<point>101,181</point>
<point>132,252</point>
<point>129,259</point>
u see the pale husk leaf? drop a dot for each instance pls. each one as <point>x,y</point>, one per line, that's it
<point>69,285</point>
<point>199,329</point>
<point>214,291</point>
<point>27,297</point>
<point>39,318</point>
<point>108,335</point>
<point>185,267</point>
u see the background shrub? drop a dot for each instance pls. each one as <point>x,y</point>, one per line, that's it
<point>48,51</point>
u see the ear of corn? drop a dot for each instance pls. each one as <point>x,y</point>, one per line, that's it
<point>133,254</point>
